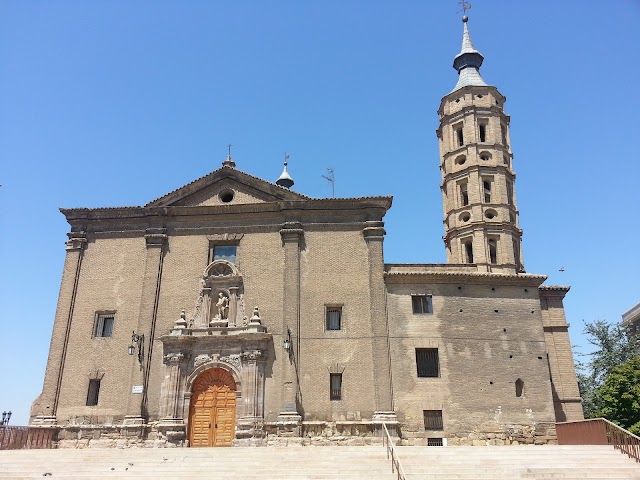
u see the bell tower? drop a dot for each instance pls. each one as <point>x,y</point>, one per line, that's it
<point>480,212</point>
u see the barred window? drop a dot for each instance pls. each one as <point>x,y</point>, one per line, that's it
<point>427,362</point>
<point>335,385</point>
<point>334,318</point>
<point>422,303</point>
<point>104,325</point>
<point>94,392</point>
<point>432,419</point>
<point>434,442</point>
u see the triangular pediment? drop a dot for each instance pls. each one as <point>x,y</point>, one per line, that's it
<point>225,186</point>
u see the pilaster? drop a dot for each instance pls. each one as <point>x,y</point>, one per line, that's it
<point>289,419</point>
<point>44,409</point>
<point>155,240</point>
<point>374,233</point>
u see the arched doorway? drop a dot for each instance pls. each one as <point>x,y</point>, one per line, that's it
<point>212,414</point>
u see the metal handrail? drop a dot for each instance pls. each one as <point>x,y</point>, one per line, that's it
<point>623,440</point>
<point>18,437</point>
<point>395,461</point>
<point>599,431</point>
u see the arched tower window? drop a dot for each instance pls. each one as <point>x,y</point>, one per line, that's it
<point>519,388</point>
<point>493,251</point>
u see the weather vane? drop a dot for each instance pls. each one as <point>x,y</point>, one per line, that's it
<point>465,6</point>
<point>286,157</point>
<point>229,147</point>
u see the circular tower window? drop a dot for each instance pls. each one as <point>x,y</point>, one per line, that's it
<point>226,196</point>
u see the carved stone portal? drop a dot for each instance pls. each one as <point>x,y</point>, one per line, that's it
<point>221,299</point>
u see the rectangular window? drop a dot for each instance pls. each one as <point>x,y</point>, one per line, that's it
<point>434,442</point>
<point>223,252</point>
<point>94,392</point>
<point>509,192</point>
<point>483,132</point>
<point>334,318</point>
<point>464,194</point>
<point>422,303</point>
<point>335,386</point>
<point>493,251</point>
<point>433,420</point>
<point>427,362</point>
<point>459,136</point>
<point>503,131</point>
<point>104,325</point>
<point>468,250</point>
<point>486,184</point>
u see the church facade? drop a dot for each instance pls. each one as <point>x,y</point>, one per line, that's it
<point>236,311</point>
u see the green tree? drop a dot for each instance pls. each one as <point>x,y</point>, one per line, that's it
<point>618,398</point>
<point>614,345</point>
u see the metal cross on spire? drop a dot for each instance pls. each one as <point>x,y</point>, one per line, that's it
<point>228,162</point>
<point>465,6</point>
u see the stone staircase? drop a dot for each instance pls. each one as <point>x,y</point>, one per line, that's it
<point>568,462</point>
<point>330,463</point>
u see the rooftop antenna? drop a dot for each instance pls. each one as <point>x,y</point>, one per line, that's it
<point>332,179</point>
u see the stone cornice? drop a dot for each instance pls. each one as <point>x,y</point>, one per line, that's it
<point>407,274</point>
<point>470,89</point>
<point>553,290</point>
<point>316,211</point>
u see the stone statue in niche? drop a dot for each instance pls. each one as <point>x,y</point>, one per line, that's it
<point>223,307</point>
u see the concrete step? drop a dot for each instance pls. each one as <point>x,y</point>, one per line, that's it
<point>329,463</point>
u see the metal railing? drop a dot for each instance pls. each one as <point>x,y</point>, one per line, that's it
<point>396,467</point>
<point>599,431</point>
<point>16,438</point>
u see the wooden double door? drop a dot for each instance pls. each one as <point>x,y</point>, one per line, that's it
<point>212,416</point>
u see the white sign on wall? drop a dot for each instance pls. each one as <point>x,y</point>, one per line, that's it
<point>137,389</point>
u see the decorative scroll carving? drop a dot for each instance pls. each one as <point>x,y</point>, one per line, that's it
<point>252,355</point>
<point>174,358</point>
<point>225,237</point>
<point>201,359</point>
<point>220,270</point>
<point>198,309</point>
<point>232,360</point>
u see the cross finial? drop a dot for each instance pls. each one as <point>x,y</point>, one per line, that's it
<point>228,162</point>
<point>465,6</point>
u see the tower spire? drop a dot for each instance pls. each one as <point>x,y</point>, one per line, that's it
<point>468,61</point>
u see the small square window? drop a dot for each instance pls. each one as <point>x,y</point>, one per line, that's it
<point>427,362</point>
<point>93,393</point>
<point>335,386</point>
<point>223,252</point>
<point>334,318</point>
<point>433,420</point>
<point>104,325</point>
<point>422,303</point>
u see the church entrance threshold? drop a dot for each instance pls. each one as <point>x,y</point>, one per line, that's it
<point>212,413</point>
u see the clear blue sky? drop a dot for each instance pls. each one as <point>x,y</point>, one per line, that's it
<point>107,103</point>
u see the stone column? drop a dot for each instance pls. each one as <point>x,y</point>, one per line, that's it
<point>205,312</point>
<point>233,307</point>
<point>250,422</point>
<point>374,236</point>
<point>171,422</point>
<point>45,407</point>
<point>289,420</point>
<point>155,239</point>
